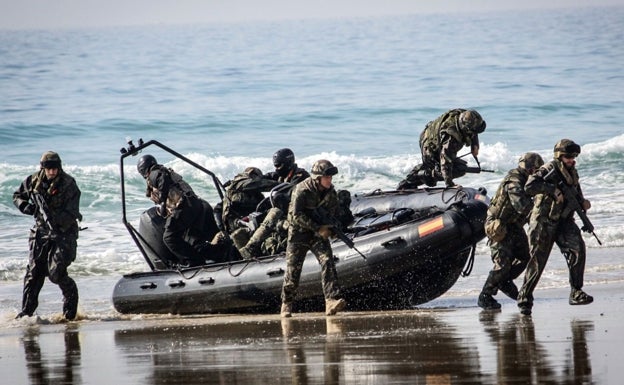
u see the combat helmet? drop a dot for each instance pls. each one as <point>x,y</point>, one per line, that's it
<point>253,172</point>
<point>50,159</point>
<point>323,167</point>
<point>284,161</point>
<point>566,147</point>
<point>145,163</point>
<point>472,122</point>
<point>531,161</point>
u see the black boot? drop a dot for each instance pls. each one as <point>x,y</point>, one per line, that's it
<point>487,302</point>
<point>579,297</point>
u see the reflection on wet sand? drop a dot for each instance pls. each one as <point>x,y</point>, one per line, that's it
<point>374,348</point>
<point>48,367</point>
<point>521,357</point>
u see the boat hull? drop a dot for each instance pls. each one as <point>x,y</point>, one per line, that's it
<point>406,264</point>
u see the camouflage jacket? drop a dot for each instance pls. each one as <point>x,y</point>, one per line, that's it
<point>442,139</point>
<point>511,203</point>
<point>543,183</point>
<point>166,186</point>
<point>243,194</point>
<point>61,197</point>
<point>305,200</point>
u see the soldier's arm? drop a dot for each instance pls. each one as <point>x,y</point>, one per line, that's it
<point>21,197</point>
<point>448,153</point>
<point>161,180</point>
<point>536,184</point>
<point>518,198</point>
<point>301,207</point>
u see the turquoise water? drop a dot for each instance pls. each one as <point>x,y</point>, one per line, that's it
<point>355,91</point>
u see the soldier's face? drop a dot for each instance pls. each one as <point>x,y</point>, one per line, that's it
<point>51,173</point>
<point>326,181</point>
<point>568,160</point>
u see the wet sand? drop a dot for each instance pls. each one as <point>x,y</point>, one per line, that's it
<point>447,341</point>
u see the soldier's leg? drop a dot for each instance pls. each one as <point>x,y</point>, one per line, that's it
<point>498,274</point>
<point>295,255</point>
<point>572,246</point>
<point>266,228</point>
<point>174,233</point>
<point>329,277</point>
<point>519,258</point>
<point>60,258</point>
<point>414,178</point>
<point>541,240</point>
<point>34,278</point>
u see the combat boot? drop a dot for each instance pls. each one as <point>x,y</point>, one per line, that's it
<point>333,306</point>
<point>264,231</point>
<point>286,311</point>
<point>579,297</point>
<point>487,302</point>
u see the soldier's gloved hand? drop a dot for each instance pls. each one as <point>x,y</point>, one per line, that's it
<point>28,208</point>
<point>161,210</point>
<point>325,231</point>
<point>558,196</point>
<point>586,205</point>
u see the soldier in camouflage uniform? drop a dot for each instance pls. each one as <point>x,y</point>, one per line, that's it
<point>440,142</point>
<point>552,221</point>
<point>190,228</point>
<point>243,194</point>
<point>507,214</point>
<point>307,233</point>
<point>53,198</point>
<point>270,237</point>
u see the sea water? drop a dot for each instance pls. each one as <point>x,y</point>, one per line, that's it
<point>355,91</point>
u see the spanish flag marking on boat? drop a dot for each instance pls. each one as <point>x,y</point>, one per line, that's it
<point>431,226</point>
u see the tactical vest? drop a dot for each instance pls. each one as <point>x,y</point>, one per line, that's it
<point>545,205</point>
<point>240,202</point>
<point>500,205</point>
<point>447,124</point>
<point>177,190</point>
<point>55,194</point>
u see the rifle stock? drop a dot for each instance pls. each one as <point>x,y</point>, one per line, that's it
<point>574,202</point>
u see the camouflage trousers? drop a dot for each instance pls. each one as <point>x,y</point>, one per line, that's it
<point>295,255</point>
<point>510,257</point>
<point>542,236</point>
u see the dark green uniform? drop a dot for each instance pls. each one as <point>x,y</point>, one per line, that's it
<point>440,142</point>
<point>243,195</point>
<point>52,244</point>
<point>303,236</point>
<point>510,206</point>
<point>552,222</point>
<point>190,225</point>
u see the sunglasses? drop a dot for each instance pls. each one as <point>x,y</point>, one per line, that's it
<point>569,156</point>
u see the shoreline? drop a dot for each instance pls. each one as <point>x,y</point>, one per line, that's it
<point>451,338</point>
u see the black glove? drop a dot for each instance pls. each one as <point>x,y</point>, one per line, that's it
<point>28,208</point>
<point>161,210</point>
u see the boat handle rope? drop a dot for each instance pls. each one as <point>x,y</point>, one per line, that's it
<point>470,263</point>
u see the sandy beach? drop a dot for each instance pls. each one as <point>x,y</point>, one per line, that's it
<point>447,341</point>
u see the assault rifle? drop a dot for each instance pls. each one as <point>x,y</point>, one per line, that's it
<point>462,166</point>
<point>322,216</point>
<point>573,200</point>
<point>43,210</point>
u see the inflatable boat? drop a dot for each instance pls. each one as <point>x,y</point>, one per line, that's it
<point>404,248</point>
